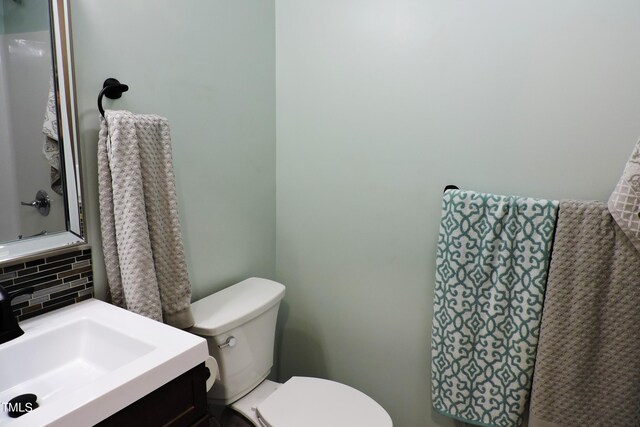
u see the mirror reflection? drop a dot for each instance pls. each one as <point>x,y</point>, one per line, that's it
<point>32,197</point>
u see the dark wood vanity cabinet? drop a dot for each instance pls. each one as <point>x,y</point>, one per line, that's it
<point>181,402</point>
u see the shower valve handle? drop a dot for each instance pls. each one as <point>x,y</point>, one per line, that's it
<point>42,203</point>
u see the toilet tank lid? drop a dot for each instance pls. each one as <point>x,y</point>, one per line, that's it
<point>235,305</point>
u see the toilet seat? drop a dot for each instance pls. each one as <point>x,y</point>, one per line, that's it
<point>315,402</point>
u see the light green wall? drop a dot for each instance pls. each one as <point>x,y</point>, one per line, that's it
<point>30,15</point>
<point>380,104</point>
<point>208,66</point>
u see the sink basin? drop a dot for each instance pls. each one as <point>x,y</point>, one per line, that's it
<point>87,361</point>
<point>76,353</point>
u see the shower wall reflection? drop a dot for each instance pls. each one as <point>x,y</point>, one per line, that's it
<point>29,153</point>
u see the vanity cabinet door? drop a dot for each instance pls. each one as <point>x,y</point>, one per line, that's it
<point>179,403</point>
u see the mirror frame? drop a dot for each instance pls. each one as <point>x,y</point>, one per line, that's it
<point>62,54</point>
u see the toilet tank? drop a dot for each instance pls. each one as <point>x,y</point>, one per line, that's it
<point>239,324</point>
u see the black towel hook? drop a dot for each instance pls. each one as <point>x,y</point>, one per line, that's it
<point>112,89</point>
<point>450,187</point>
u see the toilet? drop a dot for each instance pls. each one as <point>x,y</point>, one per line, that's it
<point>239,325</point>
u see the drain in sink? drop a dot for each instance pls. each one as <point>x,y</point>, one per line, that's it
<point>21,405</point>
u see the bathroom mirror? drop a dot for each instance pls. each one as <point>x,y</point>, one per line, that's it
<point>40,191</point>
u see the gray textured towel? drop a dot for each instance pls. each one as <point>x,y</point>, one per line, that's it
<point>141,237</point>
<point>587,369</point>
<point>624,202</point>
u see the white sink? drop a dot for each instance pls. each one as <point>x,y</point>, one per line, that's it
<point>88,361</point>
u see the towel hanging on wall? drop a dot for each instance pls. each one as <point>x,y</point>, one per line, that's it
<point>51,146</point>
<point>624,202</point>
<point>141,237</point>
<point>491,272</point>
<point>588,364</point>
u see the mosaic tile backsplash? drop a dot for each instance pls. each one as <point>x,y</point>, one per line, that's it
<point>58,280</point>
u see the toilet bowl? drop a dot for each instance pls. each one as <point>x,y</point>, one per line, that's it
<point>239,325</point>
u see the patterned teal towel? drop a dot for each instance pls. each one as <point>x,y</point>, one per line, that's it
<point>492,261</point>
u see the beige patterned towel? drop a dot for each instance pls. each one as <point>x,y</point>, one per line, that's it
<point>141,238</point>
<point>587,371</point>
<point>624,202</point>
<point>51,148</point>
